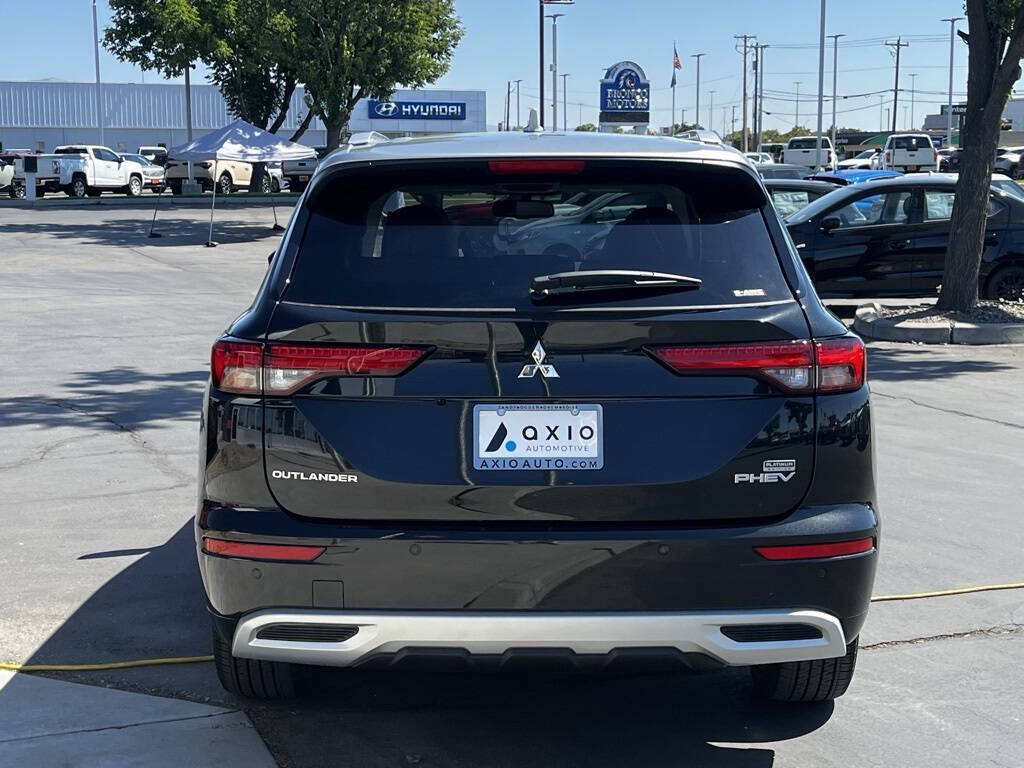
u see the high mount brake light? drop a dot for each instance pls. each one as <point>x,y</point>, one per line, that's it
<point>253,368</point>
<point>830,366</point>
<point>509,167</point>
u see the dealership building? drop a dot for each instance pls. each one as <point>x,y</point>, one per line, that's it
<point>43,115</point>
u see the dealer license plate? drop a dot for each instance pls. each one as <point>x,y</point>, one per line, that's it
<point>544,437</point>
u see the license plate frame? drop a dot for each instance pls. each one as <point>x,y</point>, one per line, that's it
<point>572,450</point>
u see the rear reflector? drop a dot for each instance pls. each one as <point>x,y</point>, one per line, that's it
<point>280,369</point>
<point>789,364</point>
<point>288,367</point>
<point>503,167</point>
<point>831,366</point>
<point>253,551</point>
<point>816,551</point>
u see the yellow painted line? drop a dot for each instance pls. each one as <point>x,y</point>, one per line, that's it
<point>15,667</point>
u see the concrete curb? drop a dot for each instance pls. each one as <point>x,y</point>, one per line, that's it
<point>869,324</point>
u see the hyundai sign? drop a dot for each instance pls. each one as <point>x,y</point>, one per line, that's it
<point>416,110</point>
<point>625,88</point>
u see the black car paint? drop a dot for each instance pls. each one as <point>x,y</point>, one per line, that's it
<point>905,259</point>
<point>458,557</point>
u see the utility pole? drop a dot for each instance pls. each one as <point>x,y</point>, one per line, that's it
<point>554,68</point>
<point>949,105</point>
<point>757,64</point>
<point>697,111</point>
<point>821,85</point>
<point>760,100</point>
<point>99,92</point>
<point>796,121</point>
<point>881,110</point>
<point>905,108</point>
<point>733,131</point>
<point>913,84</point>
<point>711,112</point>
<point>541,97</point>
<point>745,39</point>
<point>682,118</point>
<point>517,82</point>
<point>508,102</point>
<point>835,74</point>
<point>565,107</point>
<point>896,85</point>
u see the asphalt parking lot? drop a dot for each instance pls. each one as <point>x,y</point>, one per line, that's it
<point>105,351</point>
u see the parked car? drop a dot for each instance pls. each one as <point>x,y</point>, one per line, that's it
<point>231,175</point>
<point>278,182</point>
<point>152,174</point>
<point>804,151</point>
<point>1008,161</point>
<point>654,451</point>
<point>299,172</point>
<point>156,155</point>
<point>81,170</point>
<point>774,149</point>
<point>910,152</point>
<point>790,195</point>
<point>9,185</point>
<point>853,176</point>
<point>868,159</point>
<point>889,238</point>
<point>783,171</point>
<point>759,158</point>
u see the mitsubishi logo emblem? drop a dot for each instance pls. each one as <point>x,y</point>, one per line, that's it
<point>530,369</point>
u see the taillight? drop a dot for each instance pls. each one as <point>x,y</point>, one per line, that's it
<point>503,167</point>
<point>788,364</point>
<point>206,165</point>
<point>841,364</point>
<point>287,367</point>
<point>830,366</point>
<point>816,551</point>
<point>888,157</point>
<point>235,366</point>
<point>255,551</point>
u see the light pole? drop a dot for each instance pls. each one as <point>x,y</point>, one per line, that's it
<point>949,105</point>
<point>796,122</point>
<point>517,82</point>
<point>554,68</point>
<point>821,85</point>
<point>711,112</point>
<point>760,90</point>
<point>881,109</point>
<point>913,83</point>
<point>96,51</point>
<point>565,107</point>
<point>697,56</point>
<point>835,73</point>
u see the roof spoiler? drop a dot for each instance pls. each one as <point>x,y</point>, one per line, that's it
<point>367,139</point>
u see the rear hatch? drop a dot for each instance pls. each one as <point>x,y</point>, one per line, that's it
<point>458,342</point>
<point>912,152</point>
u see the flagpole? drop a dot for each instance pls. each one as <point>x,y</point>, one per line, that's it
<point>672,130</point>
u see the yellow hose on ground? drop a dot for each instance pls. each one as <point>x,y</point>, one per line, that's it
<point>15,667</point>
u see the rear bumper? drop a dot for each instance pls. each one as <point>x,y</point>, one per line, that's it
<point>533,574</point>
<point>736,639</point>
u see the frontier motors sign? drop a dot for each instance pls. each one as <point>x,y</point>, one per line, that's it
<point>625,88</point>
<point>416,110</point>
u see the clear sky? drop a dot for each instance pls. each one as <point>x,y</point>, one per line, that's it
<point>501,44</point>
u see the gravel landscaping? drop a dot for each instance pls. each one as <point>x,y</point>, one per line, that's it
<point>985,312</point>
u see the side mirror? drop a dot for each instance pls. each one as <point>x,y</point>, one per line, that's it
<point>120,160</point>
<point>832,222</point>
<point>270,258</point>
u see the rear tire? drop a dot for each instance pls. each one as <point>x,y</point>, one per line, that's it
<point>134,188</point>
<point>78,187</point>
<point>252,678</point>
<point>1006,283</point>
<point>802,681</point>
<point>224,184</point>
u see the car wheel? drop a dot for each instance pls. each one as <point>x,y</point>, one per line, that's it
<point>224,184</point>
<point>265,186</point>
<point>1007,283</point>
<point>275,186</point>
<point>801,681</point>
<point>78,188</point>
<point>252,678</point>
<point>17,191</point>
<point>134,186</point>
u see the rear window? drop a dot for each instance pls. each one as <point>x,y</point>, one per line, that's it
<point>809,142</point>
<point>911,143</point>
<point>459,236</point>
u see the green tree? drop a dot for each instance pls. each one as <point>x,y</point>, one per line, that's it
<point>995,46</point>
<point>166,36</point>
<point>253,64</point>
<point>587,128</point>
<point>347,50</point>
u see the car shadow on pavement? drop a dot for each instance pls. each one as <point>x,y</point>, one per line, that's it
<point>125,398</point>
<point>155,608</point>
<point>135,231</point>
<point>917,363</point>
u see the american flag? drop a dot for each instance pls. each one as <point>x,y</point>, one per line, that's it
<point>676,63</point>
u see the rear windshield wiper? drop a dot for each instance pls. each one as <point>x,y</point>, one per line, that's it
<point>608,280</point>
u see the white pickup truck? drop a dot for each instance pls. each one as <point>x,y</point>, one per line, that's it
<point>910,152</point>
<point>83,170</point>
<point>803,150</point>
<point>299,172</point>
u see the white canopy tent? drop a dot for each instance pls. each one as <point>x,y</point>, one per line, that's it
<point>239,142</point>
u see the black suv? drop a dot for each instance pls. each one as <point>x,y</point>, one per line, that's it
<point>521,394</point>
